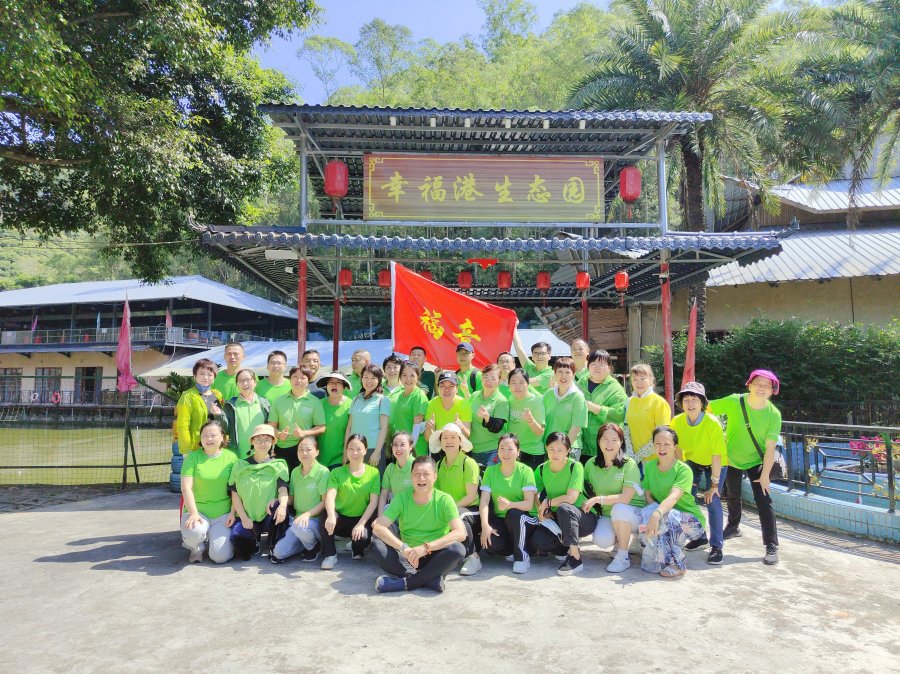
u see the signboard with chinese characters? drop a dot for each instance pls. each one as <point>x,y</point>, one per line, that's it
<point>483,187</point>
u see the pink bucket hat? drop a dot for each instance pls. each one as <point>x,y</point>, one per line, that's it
<point>768,374</point>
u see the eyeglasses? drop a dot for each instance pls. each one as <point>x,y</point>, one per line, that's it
<point>539,353</point>
<point>245,381</point>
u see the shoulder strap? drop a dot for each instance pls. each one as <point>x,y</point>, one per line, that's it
<point>759,451</point>
<point>472,380</point>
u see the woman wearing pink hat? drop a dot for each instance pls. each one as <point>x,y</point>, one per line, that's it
<point>754,425</point>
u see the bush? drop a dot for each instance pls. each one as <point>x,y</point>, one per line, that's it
<point>818,364</point>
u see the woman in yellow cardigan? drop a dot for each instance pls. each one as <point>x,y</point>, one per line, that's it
<point>199,404</point>
<point>644,411</point>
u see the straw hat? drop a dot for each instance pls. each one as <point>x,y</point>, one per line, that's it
<point>322,382</point>
<point>263,429</point>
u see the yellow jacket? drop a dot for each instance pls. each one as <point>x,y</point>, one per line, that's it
<point>190,415</point>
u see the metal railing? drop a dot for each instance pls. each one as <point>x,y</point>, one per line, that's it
<point>158,334</point>
<point>857,464</point>
<point>74,391</point>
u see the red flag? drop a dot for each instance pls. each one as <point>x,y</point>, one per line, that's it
<point>123,354</point>
<point>667,333</point>
<point>690,373</point>
<point>168,318</point>
<point>428,314</point>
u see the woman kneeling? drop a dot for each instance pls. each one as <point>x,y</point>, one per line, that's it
<point>259,495</point>
<point>672,515</point>
<point>431,535</point>
<point>615,480</point>
<point>507,502</point>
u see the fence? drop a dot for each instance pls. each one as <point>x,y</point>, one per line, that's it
<point>156,334</point>
<point>865,412</point>
<point>49,394</point>
<point>857,464</point>
<point>78,437</point>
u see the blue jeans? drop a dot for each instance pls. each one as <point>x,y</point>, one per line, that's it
<point>714,507</point>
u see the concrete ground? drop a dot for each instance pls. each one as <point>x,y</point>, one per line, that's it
<point>103,584</point>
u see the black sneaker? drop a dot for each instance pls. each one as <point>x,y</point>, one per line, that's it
<point>310,555</point>
<point>699,543</point>
<point>771,557</point>
<point>570,566</point>
<point>436,584</point>
<point>715,556</point>
<point>731,532</point>
<point>275,560</point>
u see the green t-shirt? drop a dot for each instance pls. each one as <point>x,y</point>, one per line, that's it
<point>766,425</point>
<point>465,381</point>
<point>529,441</point>
<point>571,476</point>
<point>541,381</point>
<point>453,478</point>
<point>497,406</point>
<point>225,384</point>
<point>247,416</point>
<point>331,442</point>
<point>512,488</point>
<point>272,393</point>
<point>391,393</point>
<point>660,485</point>
<point>611,481</point>
<point>581,375</point>
<point>353,492</point>
<point>211,476</point>
<point>257,484</point>
<point>305,412</point>
<point>405,408</point>
<point>422,523</point>
<point>442,417</point>
<point>505,390</point>
<point>611,397</point>
<point>365,416</point>
<point>562,414</point>
<point>396,479</point>
<point>308,490</point>
<point>355,385</point>
<point>699,443</point>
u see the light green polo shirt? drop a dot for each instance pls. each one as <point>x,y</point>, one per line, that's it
<point>305,412</point>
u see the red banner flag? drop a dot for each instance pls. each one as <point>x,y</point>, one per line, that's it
<point>123,354</point>
<point>429,315</point>
<point>690,373</point>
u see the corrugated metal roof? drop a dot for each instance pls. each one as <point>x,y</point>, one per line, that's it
<point>108,292</point>
<point>814,255</point>
<point>833,197</point>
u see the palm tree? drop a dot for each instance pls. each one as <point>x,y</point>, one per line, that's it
<point>700,55</point>
<point>853,82</point>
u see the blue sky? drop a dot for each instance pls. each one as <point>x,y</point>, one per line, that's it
<point>441,21</point>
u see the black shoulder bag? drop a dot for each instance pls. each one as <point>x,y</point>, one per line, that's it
<point>779,467</point>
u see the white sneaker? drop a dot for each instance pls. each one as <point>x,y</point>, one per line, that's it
<point>619,564</point>
<point>329,562</point>
<point>471,565</point>
<point>195,557</point>
<point>510,558</point>
<point>560,558</point>
<point>521,567</point>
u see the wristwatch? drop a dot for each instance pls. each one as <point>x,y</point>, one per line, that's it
<point>404,547</point>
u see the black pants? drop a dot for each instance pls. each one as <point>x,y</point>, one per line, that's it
<point>472,523</point>
<point>289,454</point>
<point>438,563</point>
<point>514,532</point>
<point>245,542</point>
<point>733,478</point>
<point>574,523</point>
<point>532,460</point>
<point>344,527</point>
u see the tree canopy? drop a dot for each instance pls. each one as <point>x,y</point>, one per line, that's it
<point>134,118</point>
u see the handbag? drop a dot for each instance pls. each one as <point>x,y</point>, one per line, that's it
<point>779,467</point>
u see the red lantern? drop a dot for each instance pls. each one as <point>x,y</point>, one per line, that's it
<point>464,280</point>
<point>621,281</point>
<point>384,278</point>
<point>582,280</point>
<point>504,280</point>
<point>630,186</point>
<point>337,179</point>
<point>425,274</point>
<point>543,280</point>
<point>345,278</point>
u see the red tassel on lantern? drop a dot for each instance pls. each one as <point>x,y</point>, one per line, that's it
<point>345,280</point>
<point>464,280</point>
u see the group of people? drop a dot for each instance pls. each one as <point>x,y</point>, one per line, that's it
<point>434,470</point>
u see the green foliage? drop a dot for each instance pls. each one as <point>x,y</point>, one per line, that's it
<point>135,119</point>
<point>815,361</point>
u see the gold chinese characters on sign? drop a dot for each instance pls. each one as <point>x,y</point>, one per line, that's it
<point>486,188</point>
